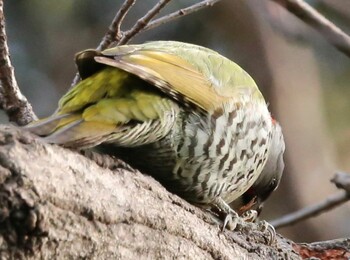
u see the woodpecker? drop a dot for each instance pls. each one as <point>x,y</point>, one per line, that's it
<point>188,116</point>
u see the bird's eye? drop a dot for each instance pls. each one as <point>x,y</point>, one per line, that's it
<point>273,183</point>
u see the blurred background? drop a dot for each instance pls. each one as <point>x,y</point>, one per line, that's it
<point>304,79</point>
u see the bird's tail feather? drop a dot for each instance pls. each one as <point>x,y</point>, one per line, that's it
<point>71,130</point>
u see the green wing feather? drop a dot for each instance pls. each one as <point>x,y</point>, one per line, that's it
<point>185,72</point>
<point>133,88</point>
<point>102,106</point>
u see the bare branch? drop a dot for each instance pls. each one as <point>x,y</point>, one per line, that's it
<point>334,35</point>
<point>12,101</point>
<point>330,249</point>
<point>143,21</point>
<point>180,13</point>
<point>342,181</point>
<point>311,211</point>
<point>114,33</point>
<point>103,214</point>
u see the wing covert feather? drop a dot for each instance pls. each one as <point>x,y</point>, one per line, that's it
<point>185,72</point>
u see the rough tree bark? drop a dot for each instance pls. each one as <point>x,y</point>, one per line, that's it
<point>55,203</point>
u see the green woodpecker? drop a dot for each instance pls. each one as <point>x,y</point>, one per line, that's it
<point>269,179</point>
<point>182,113</point>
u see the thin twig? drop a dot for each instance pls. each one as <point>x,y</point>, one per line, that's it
<point>341,180</point>
<point>311,211</point>
<point>334,35</point>
<point>12,101</point>
<point>114,33</point>
<point>143,21</point>
<point>179,13</point>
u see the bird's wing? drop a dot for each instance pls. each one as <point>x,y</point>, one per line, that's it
<point>187,73</point>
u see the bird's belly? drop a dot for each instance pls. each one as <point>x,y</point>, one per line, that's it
<point>200,160</point>
<point>223,156</point>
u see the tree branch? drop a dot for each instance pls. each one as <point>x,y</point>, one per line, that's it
<point>55,203</point>
<point>143,21</point>
<point>12,101</point>
<point>333,34</point>
<point>341,180</point>
<point>311,211</point>
<point>115,35</point>
<point>331,249</point>
<point>180,13</point>
<point>114,32</point>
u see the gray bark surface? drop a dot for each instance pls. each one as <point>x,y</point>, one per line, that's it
<point>56,203</point>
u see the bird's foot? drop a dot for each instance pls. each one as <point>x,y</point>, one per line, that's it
<point>233,221</point>
<point>250,215</point>
<point>267,228</point>
<point>262,226</point>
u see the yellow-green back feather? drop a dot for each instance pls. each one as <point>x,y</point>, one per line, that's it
<point>135,86</point>
<point>199,75</point>
<point>101,106</point>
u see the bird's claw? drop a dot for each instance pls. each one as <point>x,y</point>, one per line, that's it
<point>262,226</point>
<point>250,215</point>
<point>231,221</point>
<point>266,227</point>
